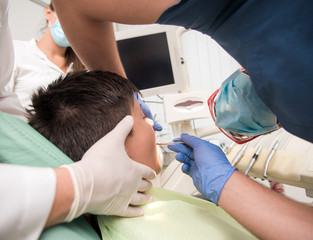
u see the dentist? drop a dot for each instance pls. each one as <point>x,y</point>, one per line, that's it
<point>35,198</point>
<point>272,40</point>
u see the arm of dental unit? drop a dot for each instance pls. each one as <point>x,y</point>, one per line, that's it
<point>288,160</point>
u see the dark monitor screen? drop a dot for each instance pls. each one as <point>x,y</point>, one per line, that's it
<point>146,60</point>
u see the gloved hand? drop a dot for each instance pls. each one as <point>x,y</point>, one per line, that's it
<point>106,180</point>
<point>205,163</point>
<point>146,111</point>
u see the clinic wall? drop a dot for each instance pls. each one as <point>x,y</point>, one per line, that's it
<point>26,19</point>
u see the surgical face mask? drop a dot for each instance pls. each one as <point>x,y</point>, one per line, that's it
<point>239,112</point>
<point>58,34</point>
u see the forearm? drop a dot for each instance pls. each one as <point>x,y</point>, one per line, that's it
<point>265,213</point>
<point>64,197</point>
<point>93,41</point>
<point>119,11</point>
<point>88,27</point>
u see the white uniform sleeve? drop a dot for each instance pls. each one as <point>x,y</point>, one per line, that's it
<point>9,102</point>
<point>27,195</point>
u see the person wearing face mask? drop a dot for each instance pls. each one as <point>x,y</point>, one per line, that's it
<point>47,59</point>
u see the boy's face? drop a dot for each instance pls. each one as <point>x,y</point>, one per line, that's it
<point>141,145</point>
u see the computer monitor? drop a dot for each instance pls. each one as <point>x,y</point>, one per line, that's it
<point>152,60</point>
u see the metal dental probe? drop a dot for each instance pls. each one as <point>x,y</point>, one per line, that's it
<point>239,154</point>
<point>163,144</point>
<point>254,158</point>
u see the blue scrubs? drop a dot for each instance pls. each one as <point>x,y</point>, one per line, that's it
<point>272,39</point>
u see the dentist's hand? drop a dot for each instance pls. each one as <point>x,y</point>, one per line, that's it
<point>146,111</point>
<point>205,163</point>
<point>106,180</point>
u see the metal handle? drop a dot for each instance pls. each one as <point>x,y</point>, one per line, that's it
<point>269,158</point>
<point>239,154</point>
<point>254,158</point>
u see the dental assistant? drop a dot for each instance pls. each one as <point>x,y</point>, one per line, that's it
<point>35,198</point>
<point>38,63</point>
<point>272,40</point>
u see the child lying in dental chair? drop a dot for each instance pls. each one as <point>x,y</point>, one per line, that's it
<point>75,111</point>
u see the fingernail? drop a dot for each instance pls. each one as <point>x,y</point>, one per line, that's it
<point>141,212</point>
<point>278,187</point>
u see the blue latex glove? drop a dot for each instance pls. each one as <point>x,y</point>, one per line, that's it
<point>205,163</point>
<point>146,111</point>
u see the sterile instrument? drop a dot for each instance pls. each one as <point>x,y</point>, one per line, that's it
<point>239,154</point>
<point>269,158</point>
<point>254,158</point>
<point>228,148</point>
<point>165,144</point>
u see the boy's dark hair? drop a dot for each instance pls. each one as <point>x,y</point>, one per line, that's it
<point>77,110</point>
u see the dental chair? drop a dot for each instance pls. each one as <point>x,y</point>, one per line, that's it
<point>22,145</point>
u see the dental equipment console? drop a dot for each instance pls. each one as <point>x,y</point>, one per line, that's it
<point>151,56</point>
<point>286,159</point>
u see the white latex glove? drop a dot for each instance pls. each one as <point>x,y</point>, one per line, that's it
<point>106,180</point>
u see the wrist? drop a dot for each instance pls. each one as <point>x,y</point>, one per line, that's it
<point>216,186</point>
<point>230,185</point>
<point>64,197</point>
<point>82,189</point>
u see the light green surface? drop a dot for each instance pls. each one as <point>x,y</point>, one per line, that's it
<point>22,145</point>
<point>173,216</point>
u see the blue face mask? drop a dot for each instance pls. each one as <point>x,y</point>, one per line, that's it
<point>58,35</point>
<point>238,108</point>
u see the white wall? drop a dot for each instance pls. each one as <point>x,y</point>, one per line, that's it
<point>26,18</point>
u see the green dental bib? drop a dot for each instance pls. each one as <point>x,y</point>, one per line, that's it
<point>172,215</point>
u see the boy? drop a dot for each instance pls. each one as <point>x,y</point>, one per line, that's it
<point>74,112</point>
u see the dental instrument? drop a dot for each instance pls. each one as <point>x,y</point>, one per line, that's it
<point>272,152</point>
<point>165,144</point>
<point>239,154</point>
<point>228,148</point>
<point>254,158</point>
<point>269,158</point>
